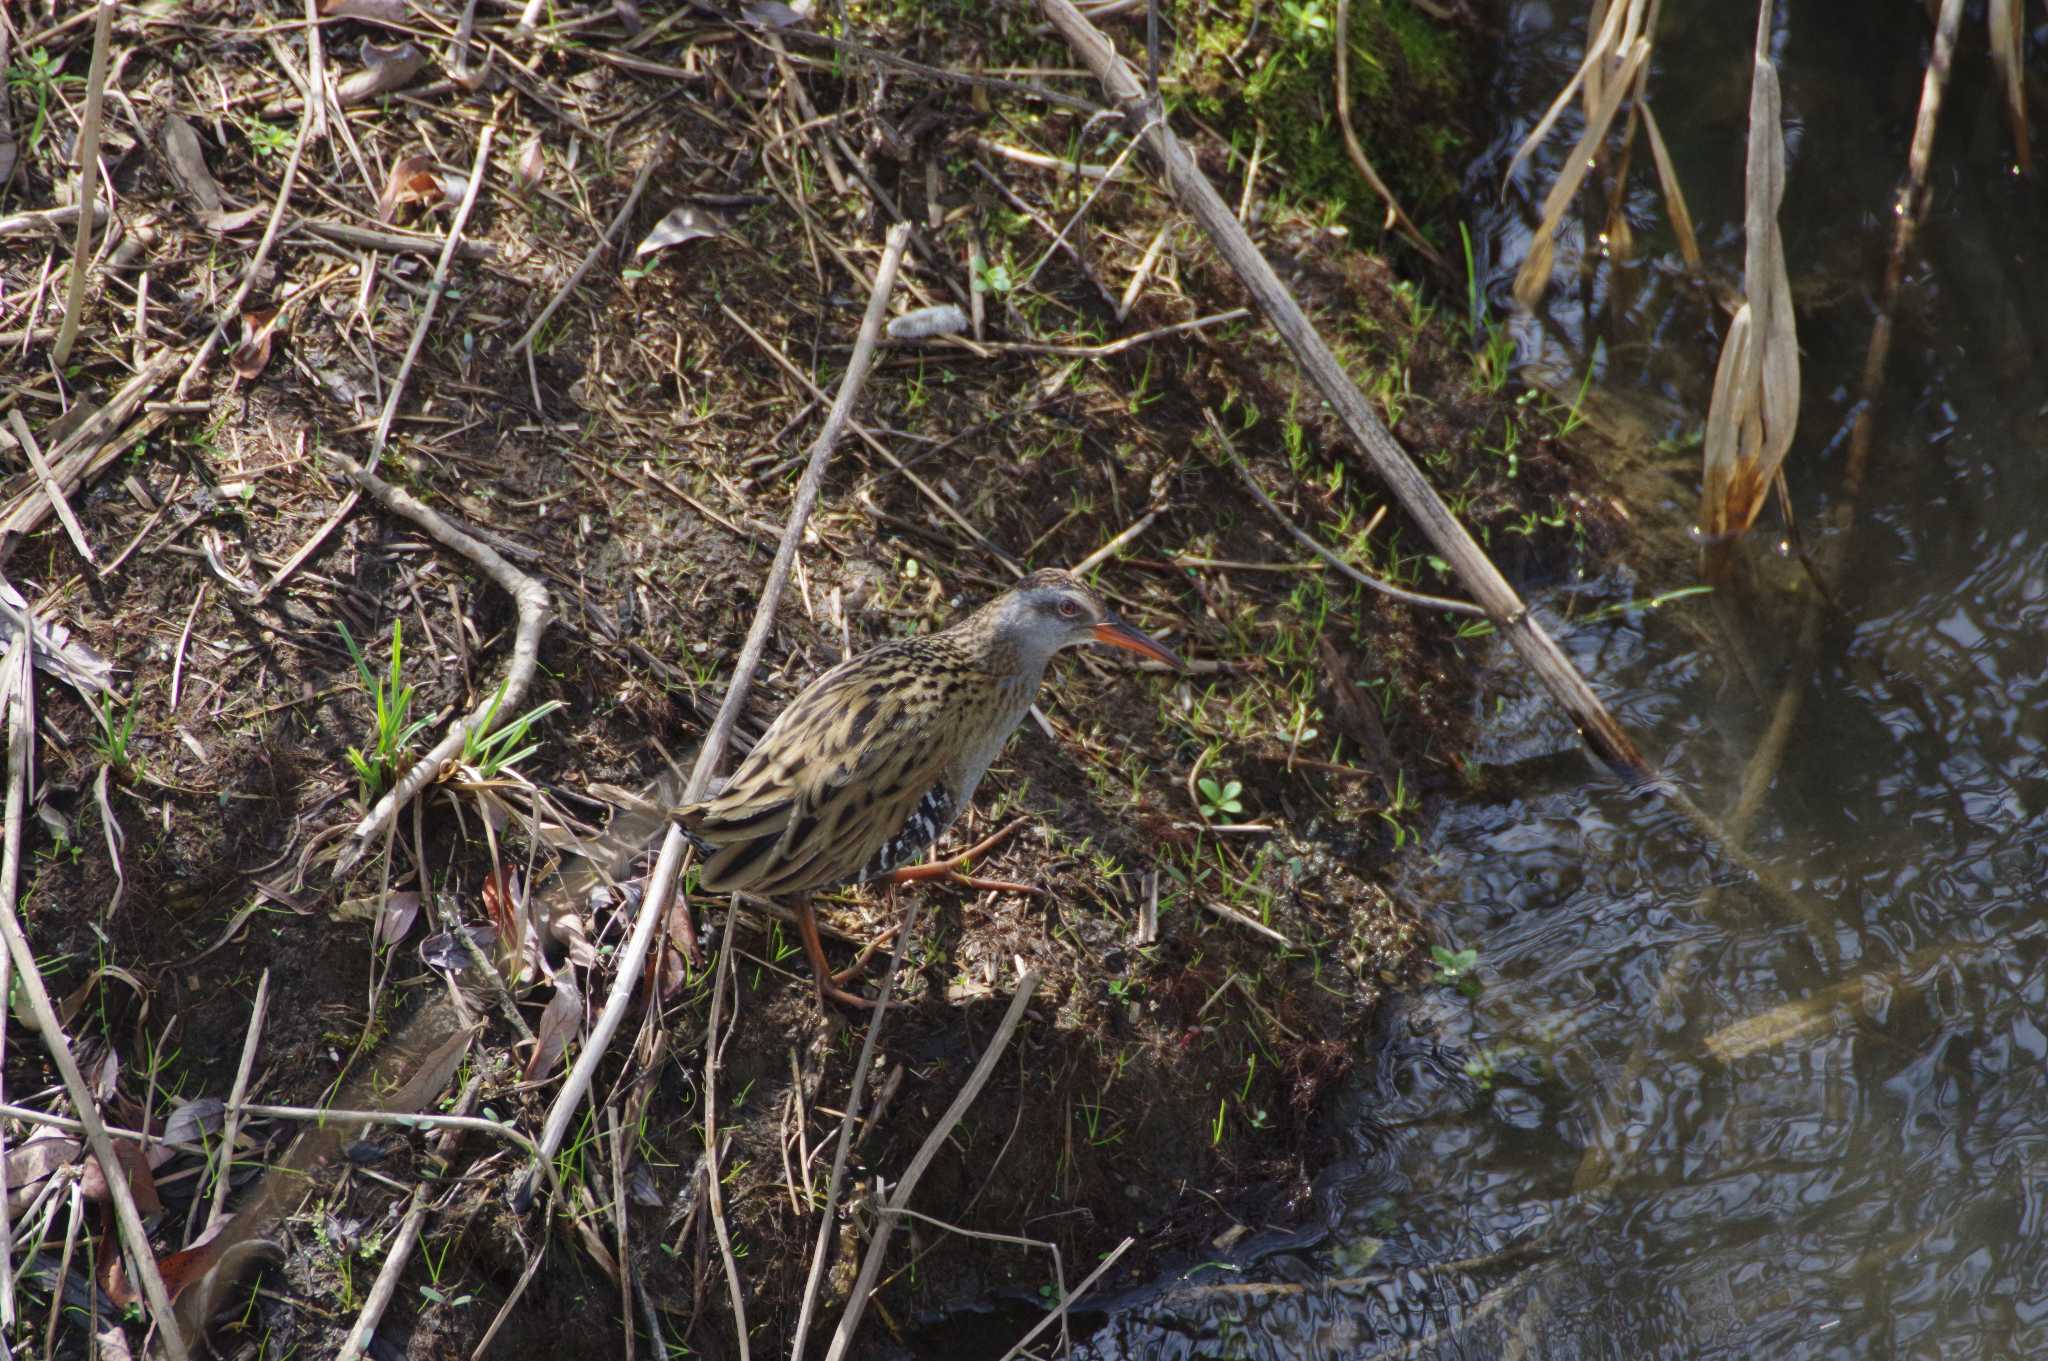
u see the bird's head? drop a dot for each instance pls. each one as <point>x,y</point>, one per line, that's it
<point>1052,609</point>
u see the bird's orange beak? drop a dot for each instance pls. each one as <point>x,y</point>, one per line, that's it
<point>1117,633</point>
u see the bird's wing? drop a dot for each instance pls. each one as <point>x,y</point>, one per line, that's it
<point>836,776</point>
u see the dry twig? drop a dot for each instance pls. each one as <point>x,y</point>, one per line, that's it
<point>531,600</point>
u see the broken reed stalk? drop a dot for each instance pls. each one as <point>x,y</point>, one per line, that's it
<point>899,1198</point>
<point>632,960</point>
<point>396,1256</point>
<point>88,180</point>
<point>1538,651</point>
<point>1367,431</point>
<point>1762,769</point>
<point>434,290</point>
<point>529,597</point>
<point>17,702</point>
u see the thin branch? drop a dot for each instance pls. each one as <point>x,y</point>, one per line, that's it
<point>847,1120</point>
<point>714,1192</point>
<point>231,1124</point>
<point>625,214</point>
<point>395,1258</point>
<point>1357,152</point>
<point>1308,541</point>
<point>531,600</point>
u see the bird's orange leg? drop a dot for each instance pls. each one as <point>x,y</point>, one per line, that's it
<point>821,970</point>
<point>951,868</point>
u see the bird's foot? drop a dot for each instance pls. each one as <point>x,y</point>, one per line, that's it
<point>953,867</point>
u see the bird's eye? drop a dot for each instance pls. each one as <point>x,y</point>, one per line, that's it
<point>1069,610</point>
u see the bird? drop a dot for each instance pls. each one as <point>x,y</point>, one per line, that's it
<point>875,759</point>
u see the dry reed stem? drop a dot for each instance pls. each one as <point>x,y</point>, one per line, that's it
<point>815,1282</point>
<point>88,179</point>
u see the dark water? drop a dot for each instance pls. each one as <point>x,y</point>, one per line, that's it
<point>1677,1122</point>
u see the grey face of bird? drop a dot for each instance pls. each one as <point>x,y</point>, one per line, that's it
<point>1050,610</point>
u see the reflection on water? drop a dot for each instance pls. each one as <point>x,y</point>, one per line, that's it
<point>1674,1123</point>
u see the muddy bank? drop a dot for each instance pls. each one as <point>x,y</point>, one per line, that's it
<point>1208,920</point>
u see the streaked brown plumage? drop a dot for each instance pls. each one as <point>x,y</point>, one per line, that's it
<point>873,761</point>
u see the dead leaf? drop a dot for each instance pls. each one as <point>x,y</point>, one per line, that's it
<point>135,1163</point>
<point>188,164</point>
<point>561,1022</point>
<point>395,922</point>
<point>195,1120</point>
<point>529,166</point>
<point>384,69</point>
<point>252,356</point>
<point>771,14</point>
<point>443,951</point>
<point>394,13</point>
<point>684,224</point>
<point>412,181</point>
<point>31,1164</point>
<point>570,932</point>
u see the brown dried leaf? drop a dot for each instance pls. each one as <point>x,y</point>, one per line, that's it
<point>561,1022</point>
<point>1534,275</point>
<point>31,1164</point>
<point>135,1164</point>
<point>384,69</point>
<point>188,164</point>
<point>529,166</point>
<point>252,356</point>
<point>412,181</point>
<point>395,922</point>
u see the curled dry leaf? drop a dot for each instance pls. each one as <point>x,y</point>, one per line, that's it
<point>31,1164</point>
<point>395,922</point>
<point>1755,408</point>
<point>527,169</point>
<point>561,1022</point>
<point>385,69</point>
<point>413,181</point>
<point>684,224</point>
<point>252,356</point>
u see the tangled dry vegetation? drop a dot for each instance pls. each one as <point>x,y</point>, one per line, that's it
<point>441,378</point>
